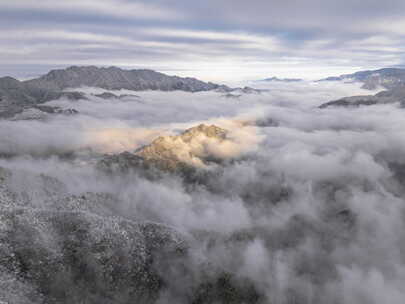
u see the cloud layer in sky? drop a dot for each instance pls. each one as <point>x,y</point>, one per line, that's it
<point>214,40</point>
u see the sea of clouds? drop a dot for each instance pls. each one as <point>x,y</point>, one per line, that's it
<point>308,205</point>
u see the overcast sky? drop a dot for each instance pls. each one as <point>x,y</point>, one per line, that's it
<point>219,40</point>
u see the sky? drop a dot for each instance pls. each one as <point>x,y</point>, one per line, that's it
<point>217,40</point>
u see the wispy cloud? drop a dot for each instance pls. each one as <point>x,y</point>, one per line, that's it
<point>117,8</point>
<point>310,39</point>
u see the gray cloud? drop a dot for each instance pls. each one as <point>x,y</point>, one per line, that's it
<point>310,213</point>
<point>251,40</point>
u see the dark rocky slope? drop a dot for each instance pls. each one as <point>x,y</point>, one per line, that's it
<point>15,96</point>
<point>82,249</point>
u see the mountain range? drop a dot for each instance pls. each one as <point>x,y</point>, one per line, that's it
<point>388,78</point>
<point>113,78</point>
<point>17,95</point>
<point>276,79</point>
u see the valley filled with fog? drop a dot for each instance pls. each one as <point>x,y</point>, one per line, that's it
<point>290,204</point>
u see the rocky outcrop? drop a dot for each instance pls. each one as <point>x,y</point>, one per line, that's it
<point>186,149</point>
<point>183,152</point>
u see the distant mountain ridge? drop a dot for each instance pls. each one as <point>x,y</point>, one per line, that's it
<point>384,97</point>
<point>388,78</point>
<point>391,79</point>
<point>15,95</point>
<point>113,78</point>
<point>276,79</point>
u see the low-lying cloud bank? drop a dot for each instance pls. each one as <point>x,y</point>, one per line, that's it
<point>306,208</point>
